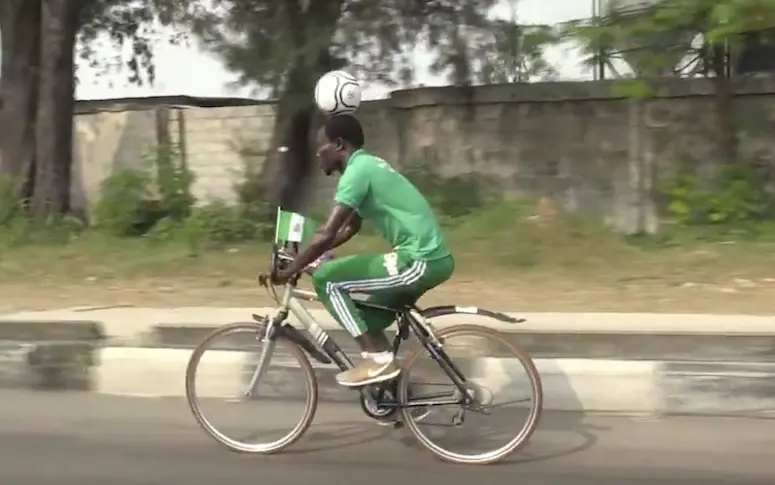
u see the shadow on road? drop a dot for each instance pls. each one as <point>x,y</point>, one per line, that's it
<point>338,435</point>
<point>559,434</point>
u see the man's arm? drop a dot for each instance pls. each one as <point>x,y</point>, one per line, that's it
<point>350,229</point>
<point>324,238</point>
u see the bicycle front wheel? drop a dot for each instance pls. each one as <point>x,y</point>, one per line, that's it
<point>490,364</point>
<point>285,395</point>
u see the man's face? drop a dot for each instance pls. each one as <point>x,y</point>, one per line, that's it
<point>329,157</point>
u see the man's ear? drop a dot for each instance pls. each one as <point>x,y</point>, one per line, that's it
<point>339,144</point>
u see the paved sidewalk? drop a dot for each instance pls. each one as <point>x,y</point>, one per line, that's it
<point>129,321</point>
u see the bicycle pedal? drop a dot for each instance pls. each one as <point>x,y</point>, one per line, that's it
<point>393,422</point>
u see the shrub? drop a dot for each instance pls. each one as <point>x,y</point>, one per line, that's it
<point>125,207</point>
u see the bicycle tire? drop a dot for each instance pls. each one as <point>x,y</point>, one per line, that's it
<point>483,458</point>
<point>278,445</point>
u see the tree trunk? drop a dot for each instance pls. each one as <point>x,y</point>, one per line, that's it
<point>20,22</point>
<point>54,128</point>
<point>726,131</point>
<point>289,173</point>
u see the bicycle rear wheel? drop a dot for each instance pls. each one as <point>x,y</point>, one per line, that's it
<point>278,388</point>
<point>465,345</point>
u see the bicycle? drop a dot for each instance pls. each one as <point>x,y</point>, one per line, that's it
<point>381,401</point>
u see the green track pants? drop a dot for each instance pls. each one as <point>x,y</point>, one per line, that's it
<point>389,279</point>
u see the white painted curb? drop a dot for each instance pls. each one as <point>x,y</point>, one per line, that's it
<point>569,384</point>
<point>585,385</point>
<point>576,384</point>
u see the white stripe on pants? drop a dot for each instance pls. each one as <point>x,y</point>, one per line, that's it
<point>337,290</point>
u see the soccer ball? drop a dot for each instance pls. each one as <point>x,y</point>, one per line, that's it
<point>337,92</point>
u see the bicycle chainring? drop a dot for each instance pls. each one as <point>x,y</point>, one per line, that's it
<point>378,412</point>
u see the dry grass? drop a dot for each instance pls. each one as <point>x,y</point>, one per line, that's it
<point>506,260</point>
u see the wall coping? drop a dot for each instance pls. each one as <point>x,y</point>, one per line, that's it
<point>563,92</point>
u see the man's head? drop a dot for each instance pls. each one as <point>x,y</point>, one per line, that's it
<point>339,137</point>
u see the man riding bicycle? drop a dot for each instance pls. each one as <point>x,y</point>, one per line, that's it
<point>369,188</point>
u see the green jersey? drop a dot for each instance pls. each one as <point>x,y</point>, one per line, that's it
<point>393,205</point>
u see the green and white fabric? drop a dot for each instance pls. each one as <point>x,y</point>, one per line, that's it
<point>391,280</point>
<point>292,227</point>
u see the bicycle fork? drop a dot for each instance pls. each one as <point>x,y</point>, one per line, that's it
<point>264,357</point>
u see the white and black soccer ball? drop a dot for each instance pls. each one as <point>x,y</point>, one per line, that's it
<point>337,92</point>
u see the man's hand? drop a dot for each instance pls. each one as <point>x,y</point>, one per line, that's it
<point>281,277</point>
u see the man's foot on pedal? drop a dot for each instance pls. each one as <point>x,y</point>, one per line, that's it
<point>373,369</point>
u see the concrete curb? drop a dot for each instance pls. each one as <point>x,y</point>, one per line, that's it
<point>652,364</point>
<point>539,344</point>
<point>49,354</point>
<point>53,329</point>
<point>42,365</point>
<point>588,385</point>
<point>614,336</point>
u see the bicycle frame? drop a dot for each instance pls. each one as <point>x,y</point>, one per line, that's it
<point>325,350</point>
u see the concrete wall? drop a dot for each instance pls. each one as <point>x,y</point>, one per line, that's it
<point>107,141</point>
<point>574,142</point>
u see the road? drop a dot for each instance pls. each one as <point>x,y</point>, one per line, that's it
<point>88,439</point>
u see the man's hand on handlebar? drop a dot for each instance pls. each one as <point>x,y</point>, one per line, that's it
<point>277,278</point>
<point>280,276</point>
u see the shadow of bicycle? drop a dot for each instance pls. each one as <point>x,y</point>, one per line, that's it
<point>339,435</point>
<point>559,434</point>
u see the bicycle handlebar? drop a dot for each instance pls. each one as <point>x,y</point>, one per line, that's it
<point>281,257</point>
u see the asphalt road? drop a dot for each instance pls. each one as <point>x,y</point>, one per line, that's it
<point>85,439</point>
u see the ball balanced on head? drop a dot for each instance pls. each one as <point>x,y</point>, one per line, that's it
<point>337,92</point>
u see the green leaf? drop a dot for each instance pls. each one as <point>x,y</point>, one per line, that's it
<point>657,40</point>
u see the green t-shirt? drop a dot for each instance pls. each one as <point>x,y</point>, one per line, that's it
<point>393,205</point>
